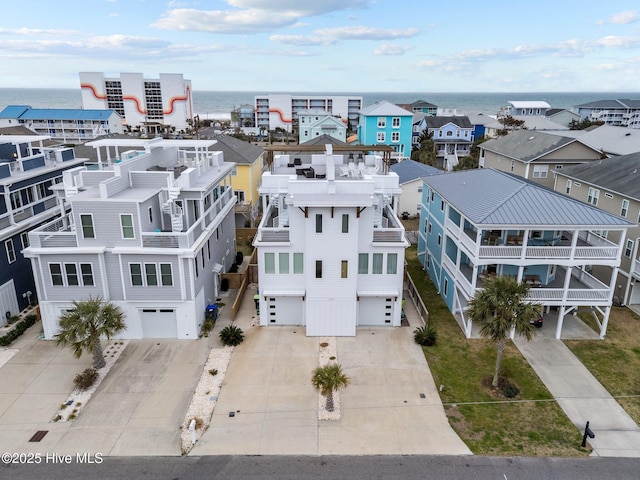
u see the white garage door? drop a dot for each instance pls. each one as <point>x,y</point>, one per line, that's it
<point>284,311</point>
<point>159,323</point>
<point>375,311</point>
<point>331,317</point>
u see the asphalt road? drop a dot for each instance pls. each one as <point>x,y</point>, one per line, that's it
<point>338,467</point>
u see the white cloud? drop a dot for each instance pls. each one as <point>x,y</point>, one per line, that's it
<point>333,36</point>
<point>392,49</point>
<point>37,31</point>
<point>250,16</point>
<point>622,18</point>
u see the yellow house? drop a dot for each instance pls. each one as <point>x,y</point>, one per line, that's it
<point>249,160</point>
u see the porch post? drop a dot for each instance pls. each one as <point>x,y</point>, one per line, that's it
<point>560,321</point>
<point>605,322</point>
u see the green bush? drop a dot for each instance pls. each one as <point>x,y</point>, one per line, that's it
<point>207,326</point>
<point>509,390</point>
<point>18,330</point>
<point>231,335</point>
<point>425,336</point>
<point>86,378</point>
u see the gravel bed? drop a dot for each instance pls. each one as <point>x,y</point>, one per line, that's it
<point>328,354</point>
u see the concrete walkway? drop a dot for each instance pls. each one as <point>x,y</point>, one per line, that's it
<point>268,390</point>
<point>582,397</point>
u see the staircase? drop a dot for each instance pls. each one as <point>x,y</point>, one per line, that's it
<point>174,211</point>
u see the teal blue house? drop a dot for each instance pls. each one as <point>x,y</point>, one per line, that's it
<point>384,123</point>
<point>481,223</point>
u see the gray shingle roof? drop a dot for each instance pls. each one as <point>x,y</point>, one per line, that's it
<point>236,150</point>
<point>490,197</point>
<point>439,122</point>
<point>409,170</point>
<point>617,174</point>
<point>526,145</point>
<point>619,103</point>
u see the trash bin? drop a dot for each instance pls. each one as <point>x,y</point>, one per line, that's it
<point>212,312</point>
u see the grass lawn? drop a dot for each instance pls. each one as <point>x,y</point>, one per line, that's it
<point>531,425</point>
<point>615,361</point>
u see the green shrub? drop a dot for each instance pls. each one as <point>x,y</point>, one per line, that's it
<point>18,330</point>
<point>231,335</point>
<point>207,326</point>
<point>213,372</point>
<point>86,378</point>
<point>425,336</point>
<point>509,390</point>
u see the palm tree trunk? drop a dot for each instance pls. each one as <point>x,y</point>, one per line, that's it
<point>329,405</point>
<point>500,349</point>
<point>98,356</point>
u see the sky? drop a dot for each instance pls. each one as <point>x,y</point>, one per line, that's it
<point>328,45</point>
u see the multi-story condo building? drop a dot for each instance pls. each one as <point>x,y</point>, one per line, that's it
<point>151,104</point>
<point>622,112</point>
<point>613,185</point>
<point>480,223</point>
<point>384,123</point>
<point>281,110</point>
<point>150,230</point>
<point>330,245</point>
<point>535,155</point>
<point>28,171</point>
<point>69,125</point>
<point>315,123</point>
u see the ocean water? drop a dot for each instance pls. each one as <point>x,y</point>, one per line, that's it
<point>219,104</point>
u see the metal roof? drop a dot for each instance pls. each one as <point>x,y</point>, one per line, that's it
<point>491,197</point>
<point>385,109</point>
<point>409,170</point>
<point>618,103</point>
<point>616,174</point>
<point>613,139</point>
<point>529,104</point>
<point>13,111</point>
<point>526,145</point>
<point>25,112</point>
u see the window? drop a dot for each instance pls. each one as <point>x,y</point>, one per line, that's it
<point>432,195</point>
<point>592,196</point>
<point>577,184</point>
<point>283,263</point>
<point>42,190</point>
<point>87,226</point>
<point>625,208</point>
<point>392,263</point>
<point>16,200</point>
<point>382,122</point>
<point>166,275</point>
<point>86,270</point>
<point>150,215</point>
<point>628,249</point>
<point>363,263</point>
<point>429,227</point>
<point>377,263</point>
<point>298,263</point>
<point>24,239</point>
<point>318,268</point>
<point>540,171</point>
<point>439,239</point>
<point>11,252</point>
<point>239,195</point>
<point>55,269</point>
<point>608,195</point>
<point>442,205</point>
<point>345,223</point>
<point>28,194</point>
<point>380,137</point>
<point>395,136</point>
<point>269,263</point>
<point>136,274</point>
<point>151,273</point>
<point>568,188</point>
<point>513,165</point>
<point>71,270</point>
<point>420,188</point>
<point>126,222</point>
<point>449,133</point>
<point>558,167</point>
<point>318,223</point>
<point>395,122</point>
<point>446,287</point>
<point>344,269</point>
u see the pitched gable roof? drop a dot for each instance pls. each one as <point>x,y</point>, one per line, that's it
<point>439,122</point>
<point>527,145</point>
<point>385,109</point>
<point>236,150</point>
<point>491,197</point>
<point>409,170</point>
<point>616,174</point>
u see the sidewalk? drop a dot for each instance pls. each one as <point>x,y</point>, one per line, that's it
<point>582,397</point>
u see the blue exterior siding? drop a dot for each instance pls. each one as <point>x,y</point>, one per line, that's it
<point>19,271</point>
<point>368,132</point>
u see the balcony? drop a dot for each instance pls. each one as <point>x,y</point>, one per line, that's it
<point>273,228</point>
<point>501,246</point>
<point>391,230</point>
<point>56,234</point>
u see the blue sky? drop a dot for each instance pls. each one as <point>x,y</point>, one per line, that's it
<point>328,45</point>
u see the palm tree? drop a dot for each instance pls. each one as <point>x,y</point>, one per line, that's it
<point>329,379</point>
<point>500,308</point>
<point>82,327</point>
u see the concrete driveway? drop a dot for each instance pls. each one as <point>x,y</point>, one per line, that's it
<point>267,388</point>
<point>136,410</point>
